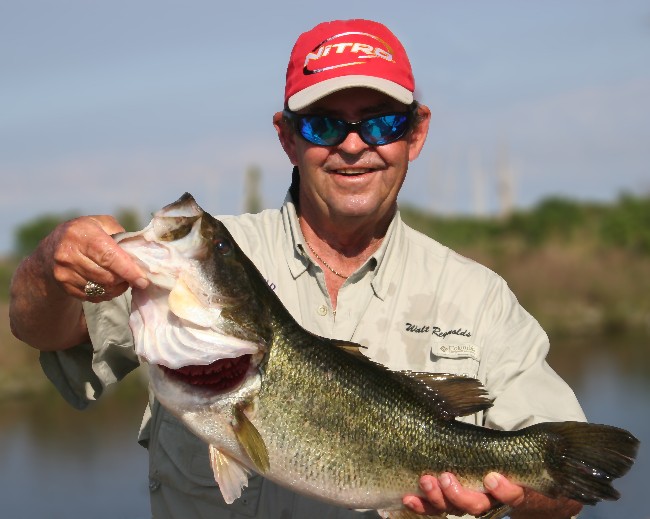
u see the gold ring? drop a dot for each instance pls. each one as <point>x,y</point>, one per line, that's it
<point>92,289</point>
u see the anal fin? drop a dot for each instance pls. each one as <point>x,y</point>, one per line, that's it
<point>229,474</point>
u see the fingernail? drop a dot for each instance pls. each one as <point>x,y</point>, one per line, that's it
<point>141,283</point>
<point>491,481</point>
<point>426,485</point>
<point>445,480</point>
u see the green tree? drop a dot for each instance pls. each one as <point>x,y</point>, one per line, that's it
<point>627,224</point>
<point>552,218</point>
<point>129,219</point>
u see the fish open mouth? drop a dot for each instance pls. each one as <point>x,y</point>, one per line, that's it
<point>221,375</point>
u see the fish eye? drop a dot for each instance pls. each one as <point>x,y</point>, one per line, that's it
<point>222,245</point>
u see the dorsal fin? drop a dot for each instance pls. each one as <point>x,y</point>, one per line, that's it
<point>450,395</point>
<point>453,395</point>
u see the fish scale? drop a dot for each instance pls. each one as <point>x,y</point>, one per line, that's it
<point>313,414</point>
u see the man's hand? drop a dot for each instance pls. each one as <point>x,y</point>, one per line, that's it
<point>82,250</point>
<point>446,495</point>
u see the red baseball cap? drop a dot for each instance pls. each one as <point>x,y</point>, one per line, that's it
<point>344,54</point>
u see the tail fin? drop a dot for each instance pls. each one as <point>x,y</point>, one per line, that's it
<point>584,458</point>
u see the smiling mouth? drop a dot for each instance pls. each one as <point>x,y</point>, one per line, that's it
<point>352,172</point>
<point>222,375</point>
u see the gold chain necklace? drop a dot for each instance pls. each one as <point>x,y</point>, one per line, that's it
<point>324,262</point>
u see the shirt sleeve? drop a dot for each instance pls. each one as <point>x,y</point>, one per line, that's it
<point>81,373</point>
<point>524,387</point>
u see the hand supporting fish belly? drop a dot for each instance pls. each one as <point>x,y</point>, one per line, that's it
<point>226,358</point>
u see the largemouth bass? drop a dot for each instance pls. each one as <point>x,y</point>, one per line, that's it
<point>314,414</point>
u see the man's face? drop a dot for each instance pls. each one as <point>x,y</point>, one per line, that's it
<point>352,179</point>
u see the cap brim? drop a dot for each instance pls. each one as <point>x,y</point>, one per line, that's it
<point>315,92</point>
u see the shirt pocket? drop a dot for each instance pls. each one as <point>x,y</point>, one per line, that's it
<point>461,358</point>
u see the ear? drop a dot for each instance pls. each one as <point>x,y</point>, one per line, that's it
<point>419,133</point>
<point>287,137</point>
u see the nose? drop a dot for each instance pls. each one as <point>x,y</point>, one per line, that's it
<point>353,144</point>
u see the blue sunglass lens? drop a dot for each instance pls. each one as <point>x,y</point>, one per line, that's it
<point>323,131</point>
<point>384,129</point>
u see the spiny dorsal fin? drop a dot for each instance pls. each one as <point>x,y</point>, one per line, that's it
<point>453,395</point>
<point>230,475</point>
<point>251,440</point>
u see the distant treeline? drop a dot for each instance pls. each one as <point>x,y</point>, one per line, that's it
<point>28,235</point>
<point>624,224</point>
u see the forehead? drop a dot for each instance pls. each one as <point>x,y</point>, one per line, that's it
<point>356,102</point>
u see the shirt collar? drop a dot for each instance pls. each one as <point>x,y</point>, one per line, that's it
<point>387,256</point>
<point>294,249</point>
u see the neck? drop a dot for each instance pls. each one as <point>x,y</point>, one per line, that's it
<point>342,240</point>
<point>347,236</point>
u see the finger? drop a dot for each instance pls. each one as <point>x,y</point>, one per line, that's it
<point>433,501</point>
<point>108,223</point>
<point>112,263</point>
<point>74,283</point>
<point>460,498</point>
<point>503,490</point>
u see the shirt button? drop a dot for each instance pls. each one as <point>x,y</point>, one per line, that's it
<point>154,485</point>
<point>322,310</point>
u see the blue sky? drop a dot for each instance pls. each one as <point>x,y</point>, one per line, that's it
<point>130,103</point>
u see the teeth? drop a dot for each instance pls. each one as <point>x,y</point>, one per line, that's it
<point>353,171</point>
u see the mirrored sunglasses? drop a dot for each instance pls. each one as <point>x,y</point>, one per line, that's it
<point>377,130</point>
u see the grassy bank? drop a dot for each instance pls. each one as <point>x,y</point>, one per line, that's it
<point>579,269</point>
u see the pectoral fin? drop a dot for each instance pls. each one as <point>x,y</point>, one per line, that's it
<point>251,441</point>
<point>230,475</point>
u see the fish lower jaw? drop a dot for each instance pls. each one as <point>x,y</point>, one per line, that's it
<point>218,377</point>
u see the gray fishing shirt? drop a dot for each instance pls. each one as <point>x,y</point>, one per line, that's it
<point>415,304</point>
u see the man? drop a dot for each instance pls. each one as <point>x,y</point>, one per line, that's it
<point>343,263</point>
